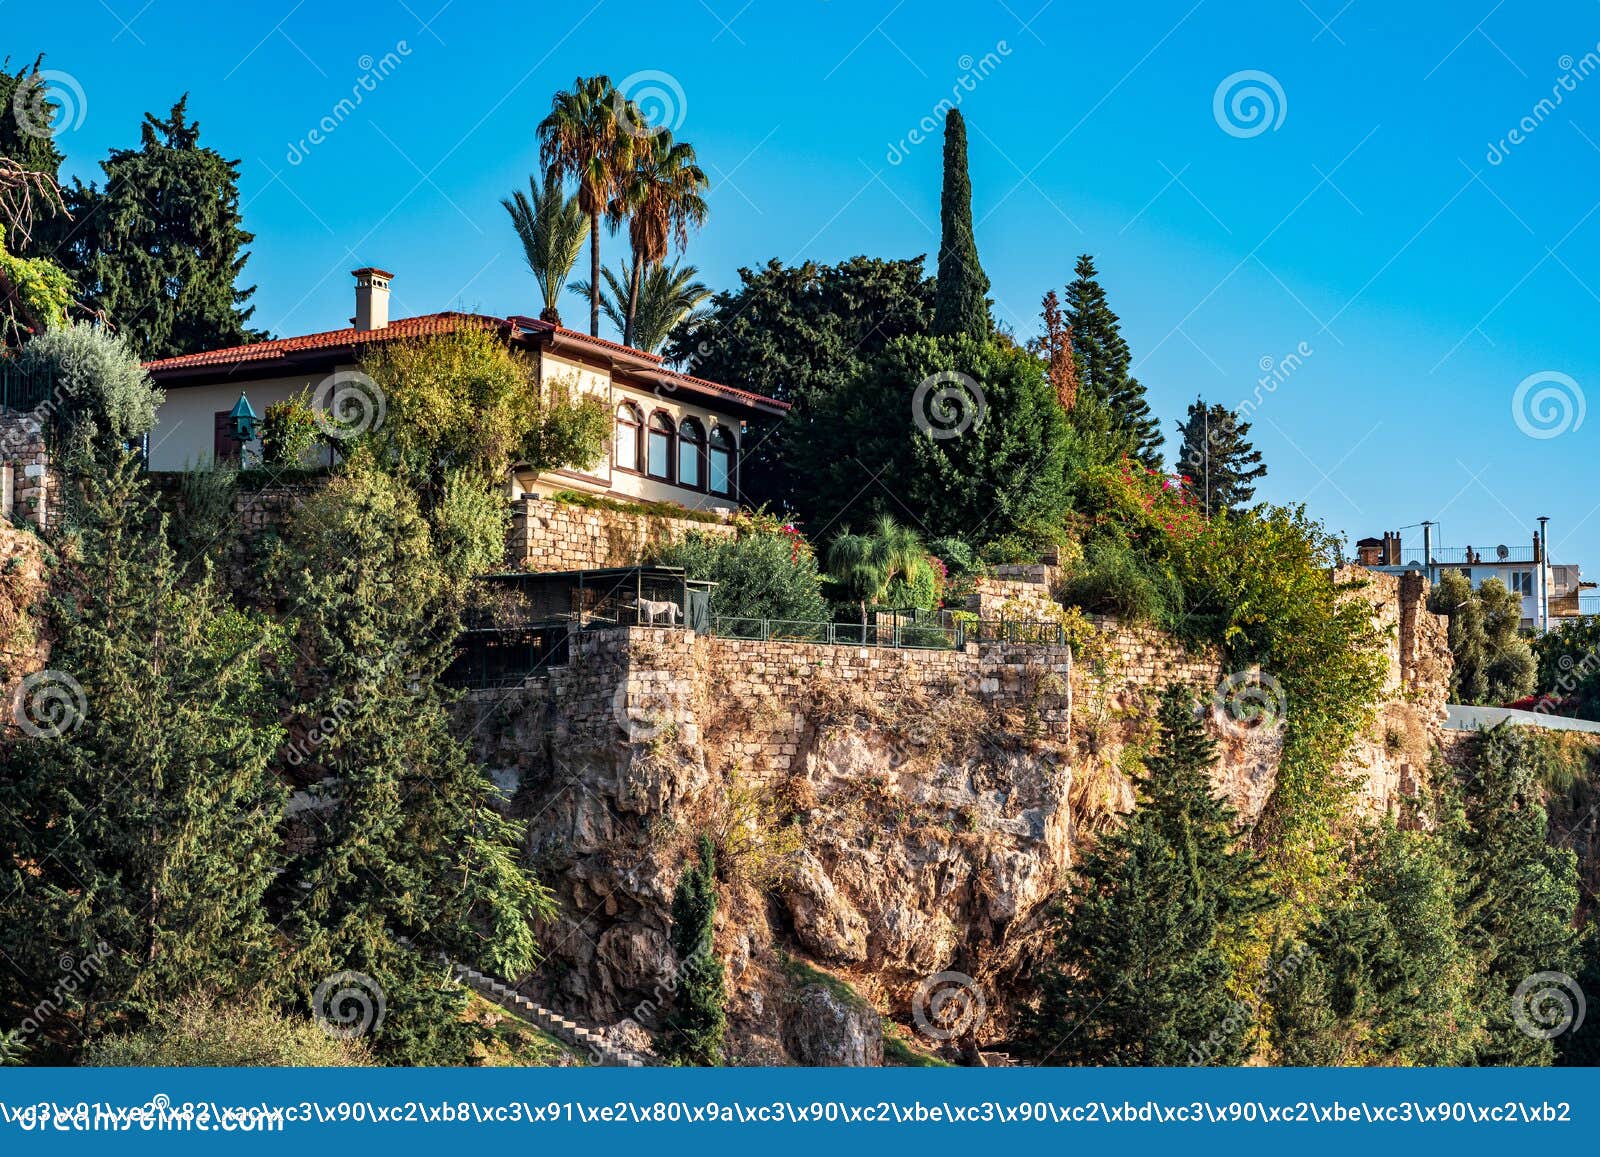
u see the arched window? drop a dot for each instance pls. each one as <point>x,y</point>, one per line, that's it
<point>691,449</point>
<point>625,446</point>
<point>721,460</point>
<point>658,447</point>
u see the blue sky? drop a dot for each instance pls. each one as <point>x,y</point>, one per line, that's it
<point>1368,224</point>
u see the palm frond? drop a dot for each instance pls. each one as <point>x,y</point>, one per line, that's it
<point>552,228</point>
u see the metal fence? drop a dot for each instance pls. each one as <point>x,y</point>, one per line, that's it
<point>22,392</point>
<point>899,633</point>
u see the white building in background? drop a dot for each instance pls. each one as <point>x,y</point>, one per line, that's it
<point>1518,567</point>
<point>675,437</point>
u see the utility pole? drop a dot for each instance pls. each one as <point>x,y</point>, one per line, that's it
<point>1544,563</point>
<point>1427,550</point>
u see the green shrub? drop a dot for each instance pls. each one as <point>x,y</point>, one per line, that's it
<point>698,1019</point>
<point>104,398</point>
<point>758,576</point>
<point>199,1031</point>
<point>1113,578</point>
<point>469,526</point>
<point>288,431</point>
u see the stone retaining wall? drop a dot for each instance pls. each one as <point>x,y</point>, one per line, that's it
<point>30,488</point>
<point>547,535</point>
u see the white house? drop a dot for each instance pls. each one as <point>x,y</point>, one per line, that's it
<point>676,438</point>
<point>1517,567</point>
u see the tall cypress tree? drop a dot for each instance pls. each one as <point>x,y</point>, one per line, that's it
<point>695,1025</point>
<point>1106,389</point>
<point>961,302</point>
<point>1221,463</point>
<point>1138,975</point>
<point>412,860</point>
<point>138,816</point>
<point>160,248</point>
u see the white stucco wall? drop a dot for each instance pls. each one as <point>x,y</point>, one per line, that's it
<point>184,436</point>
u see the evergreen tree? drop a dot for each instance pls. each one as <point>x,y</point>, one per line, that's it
<point>1221,465</point>
<point>413,861</point>
<point>1139,975</point>
<point>1493,662</point>
<point>28,138</point>
<point>961,305</point>
<point>695,1025</point>
<point>138,815</point>
<point>159,249</point>
<point>800,333</point>
<point>985,461</point>
<point>1517,895</point>
<point>1107,391</point>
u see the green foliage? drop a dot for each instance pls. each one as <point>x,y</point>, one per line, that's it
<point>20,138</point>
<point>624,506</point>
<point>1493,662</point>
<point>36,295</point>
<point>139,821</point>
<point>1220,466</point>
<point>698,1019</point>
<point>1382,976</point>
<point>799,333</point>
<point>469,527</point>
<point>288,432</point>
<point>996,470</point>
<point>200,1030</point>
<point>1139,974</point>
<point>159,249</point>
<point>551,227</point>
<point>667,297</point>
<point>1517,895</point>
<point>866,566</point>
<point>1569,666</point>
<point>758,575</point>
<point>961,304</point>
<point>1113,578</point>
<point>104,399</point>
<point>415,846</point>
<point>1111,409</point>
<point>207,528</point>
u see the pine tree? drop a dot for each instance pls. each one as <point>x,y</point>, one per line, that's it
<point>696,1023</point>
<point>1139,976</point>
<point>413,861</point>
<point>1104,381</point>
<point>1221,465</point>
<point>138,815</point>
<point>961,304</point>
<point>159,249</point>
<point>1517,895</point>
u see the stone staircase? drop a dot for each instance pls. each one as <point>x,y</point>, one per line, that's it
<point>569,1032</point>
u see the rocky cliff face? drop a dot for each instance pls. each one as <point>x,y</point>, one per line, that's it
<point>890,824</point>
<point>23,648</point>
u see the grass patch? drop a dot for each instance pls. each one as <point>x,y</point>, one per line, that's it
<point>801,975</point>
<point>900,1052</point>
<point>514,1043</point>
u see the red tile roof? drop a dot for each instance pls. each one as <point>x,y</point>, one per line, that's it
<point>265,357</point>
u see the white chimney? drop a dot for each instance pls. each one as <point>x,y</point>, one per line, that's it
<point>372,298</point>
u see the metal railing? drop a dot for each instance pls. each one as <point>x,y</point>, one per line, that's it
<point>899,634</point>
<point>1480,556</point>
<point>21,392</point>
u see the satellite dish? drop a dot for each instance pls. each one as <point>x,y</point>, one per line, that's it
<point>1502,552</point>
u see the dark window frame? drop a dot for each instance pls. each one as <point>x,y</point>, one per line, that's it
<point>668,430</point>
<point>722,437</point>
<point>638,424</point>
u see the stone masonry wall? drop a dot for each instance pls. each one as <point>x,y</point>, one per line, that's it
<point>547,535</point>
<point>30,488</point>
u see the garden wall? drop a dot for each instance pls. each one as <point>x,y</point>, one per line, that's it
<point>30,488</point>
<point>547,535</point>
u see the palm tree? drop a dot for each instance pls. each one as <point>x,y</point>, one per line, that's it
<point>866,564</point>
<point>551,226</point>
<point>660,198</point>
<point>585,138</point>
<point>664,298</point>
